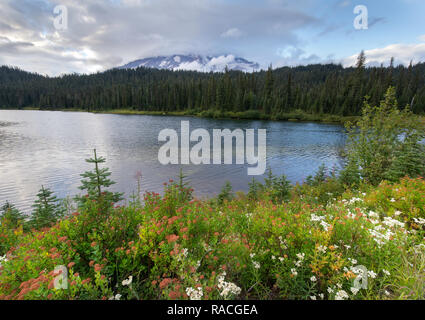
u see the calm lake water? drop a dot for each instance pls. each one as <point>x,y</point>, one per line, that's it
<point>49,148</point>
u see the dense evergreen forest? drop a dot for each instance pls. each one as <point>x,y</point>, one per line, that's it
<point>313,89</point>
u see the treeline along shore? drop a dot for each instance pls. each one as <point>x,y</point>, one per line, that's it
<point>313,93</point>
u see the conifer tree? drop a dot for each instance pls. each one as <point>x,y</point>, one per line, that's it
<point>47,210</point>
<point>226,193</point>
<point>10,215</point>
<point>95,183</point>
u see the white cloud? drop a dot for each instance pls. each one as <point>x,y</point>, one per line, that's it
<point>422,38</point>
<point>402,53</point>
<point>105,34</point>
<point>232,33</point>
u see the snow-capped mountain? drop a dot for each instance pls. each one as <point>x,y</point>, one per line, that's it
<point>195,63</point>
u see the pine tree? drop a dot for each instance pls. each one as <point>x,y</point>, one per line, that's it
<point>95,182</point>
<point>10,215</point>
<point>47,210</point>
<point>409,160</point>
<point>226,193</point>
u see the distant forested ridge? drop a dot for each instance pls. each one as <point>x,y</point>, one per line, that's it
<point>313,89</point>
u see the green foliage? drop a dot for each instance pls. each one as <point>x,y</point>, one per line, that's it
<point>95,182</point>
<point>278,188</point>
<point>238,250</point>
<point>255,188</point>
<point>11,216</point>
<point>319,177</point>
<point>226,193</point>
<point>319,91</point>
<point>47,210</point>
<point>385,143</point>
<point>185,192</point>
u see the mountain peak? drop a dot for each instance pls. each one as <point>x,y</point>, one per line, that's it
<point>195,62</point>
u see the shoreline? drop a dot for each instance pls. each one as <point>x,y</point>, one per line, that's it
<point>211,114</point>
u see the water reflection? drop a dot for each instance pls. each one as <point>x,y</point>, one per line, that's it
<point>49,148</point>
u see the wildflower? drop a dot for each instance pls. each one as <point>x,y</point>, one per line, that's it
<point>419,221</point>
<point>194,294</point>
<point>341,295</point>
<point>322,249</point>
<point>386,272</point>
<point>322,296</point>
<point>256,264</point>
<point>354,290</point>
<point>325,225</point>
<point>330,290</point>
<point>281,259</point>
<point>227,287</point>
<point>371,274</point>
<point>313,279</point>
<point>172,238</point>
<point>294,272</point>
<point>397,213</point>
<point>316,218</point>
<point>313,297</point>
<point>128,281</point>
<point>71,264</point>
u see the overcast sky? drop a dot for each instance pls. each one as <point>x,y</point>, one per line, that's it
<point>102,34</point>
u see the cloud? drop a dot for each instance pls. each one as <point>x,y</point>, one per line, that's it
<point>422,38</point>
<point>344,3</point>
<point>104,34</point>
<point>232,33</point>
<point>402,53</point>
<point>293,56</point>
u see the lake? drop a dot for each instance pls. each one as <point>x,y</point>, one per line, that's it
<point>48,148</point>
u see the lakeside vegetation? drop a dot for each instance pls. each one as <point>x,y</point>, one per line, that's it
<point>297,115</point>
<point>308,93</point>
<point>277,241</point>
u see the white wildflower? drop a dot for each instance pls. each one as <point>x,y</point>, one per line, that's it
<point>227,288</point>
<point>386,272</point>
<point>322,249</point>
<point>194,294</point>
<point>316,218</point>
<point>325,225</point>
<point>341,295</point>
<point>419,221</point>
<point>372,214</point>
<point>371,274</point>
<point>294,272</point>
<point>313,279</point>
<point>128,281</point>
